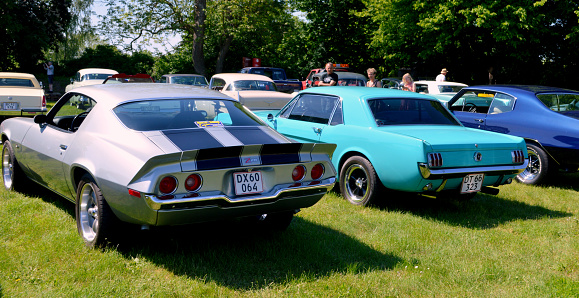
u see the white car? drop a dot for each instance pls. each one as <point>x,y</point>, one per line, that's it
<point>90,76</point>
<point>443,91</point>
<point>257,92</point>
<point>21,92</point>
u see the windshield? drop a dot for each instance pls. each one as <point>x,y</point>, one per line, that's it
<point>449,88</point>
<point>560,102</point>
<point>253,85</point>
<point>351,82</point>
<point>390,111</point>
<point>189,80</point>
<point>165,114</point>
<point>96,76</point>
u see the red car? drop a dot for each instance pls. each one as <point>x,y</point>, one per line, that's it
<point>308,82</point>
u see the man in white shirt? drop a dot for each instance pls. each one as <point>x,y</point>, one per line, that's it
<point>442,76</point>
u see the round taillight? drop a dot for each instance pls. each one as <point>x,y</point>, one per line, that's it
<point>168,185</point>
<point>299,173</point>
<point>193,182</point>
<point>317,171</point>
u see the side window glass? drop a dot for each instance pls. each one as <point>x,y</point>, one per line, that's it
<point>337,117</point>
<point>70,115</point>
<point>421,88</point>
<point>473,102</point>
<point>163,80</point>
<point>501,103</point>
<point>288,108</point>
<point>314,108</point>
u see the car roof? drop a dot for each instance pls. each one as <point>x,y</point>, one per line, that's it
<point>242,76</point>
<point>182,75</point>
<point>365,92</point>
<point>113,94</point>
<point>531,89</point>
<point>97,70</point>
<point>16,75</point>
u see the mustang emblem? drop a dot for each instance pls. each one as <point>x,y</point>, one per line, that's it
<point>477,156</point>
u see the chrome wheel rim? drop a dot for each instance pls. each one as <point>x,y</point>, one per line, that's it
<point>533,168</point>
<point>7,168</point>
<point>88,210</point>
<point>357,183</point>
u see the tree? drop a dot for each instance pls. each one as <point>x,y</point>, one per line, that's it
<point>29,28</point>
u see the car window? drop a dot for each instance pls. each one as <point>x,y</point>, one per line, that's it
<point>422,88</point>
<point>70,114</point>
<point>163,80</point>
<point>560,102</point>
<point>351,82</point>
<point>313,108</point>
<point>401,111</point>
<point>474,102</point>
<point>217,84</point>
<point>189,80</point>
<point>14,82</point>
<point>183,113</point>
<point>501,103</point>
<point>338,117</point>
<point>244,85</point>
<point>96,76</point>
<point>449,88</point>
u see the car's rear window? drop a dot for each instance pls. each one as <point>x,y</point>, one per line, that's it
<point>560,102</point>
<point>166,114</point>
<point>402,111</point>
<point>13,82</point>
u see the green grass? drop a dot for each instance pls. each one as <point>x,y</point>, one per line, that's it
<point>522,243</point>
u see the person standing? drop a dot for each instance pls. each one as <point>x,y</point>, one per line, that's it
<point>372,81</point>
<point>491,76</point>
<point>408,83</point>
<point>442,76</point>
<point>50,73</point>
<point>329,78</point>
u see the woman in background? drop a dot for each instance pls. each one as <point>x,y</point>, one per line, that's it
<point>408,83</point>
<point>372,81</point>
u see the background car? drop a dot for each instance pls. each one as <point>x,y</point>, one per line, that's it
<point>20,92</point>
<point>443,91</point>
<point>392,83</point>
<point>257,92</point>
<point>89,76</point>
<point>125,78</point>
<point>547,117</point>
<point>155,155</point>
<point>398,140</point>
<point>344,79</point>
<point>308,82</point>
<point>185,79</point>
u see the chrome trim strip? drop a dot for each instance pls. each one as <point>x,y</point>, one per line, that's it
<point>156,204</point>
<point>428,173</point>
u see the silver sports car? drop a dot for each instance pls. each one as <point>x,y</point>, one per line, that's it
<point>162,154</point>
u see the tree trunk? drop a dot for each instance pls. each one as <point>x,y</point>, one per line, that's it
<point>222,53</point>
<point>198,37</point>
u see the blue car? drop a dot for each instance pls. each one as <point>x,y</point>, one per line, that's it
<point>546,117</point>
<point>397,140</point>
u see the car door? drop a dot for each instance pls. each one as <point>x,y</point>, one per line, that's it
<point>499,117</point>
<point>306,117</point>
<point>472,107</point>
<point>45,145</point>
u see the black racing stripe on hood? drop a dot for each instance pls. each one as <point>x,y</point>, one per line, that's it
<point>217,158</point>
<point>192,139</point>
<point>280,153</point>
<point>251,135</point>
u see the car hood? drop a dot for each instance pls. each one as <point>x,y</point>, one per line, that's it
<point>442,137</point>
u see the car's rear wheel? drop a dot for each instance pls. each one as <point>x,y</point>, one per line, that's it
<point>94,218</point>
<point>12,176</point>
<point>359,183</point>
<point>538,166</point>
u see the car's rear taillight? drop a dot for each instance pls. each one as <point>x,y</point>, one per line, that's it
<point>168,185</point>
<point>518,156</point>
<point>43,101</point>
<point>193,182</point>
<point>434,160</point>
<point>299,173</point>
<point>317,171</point>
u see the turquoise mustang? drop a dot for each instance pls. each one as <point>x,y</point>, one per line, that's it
<point>397,140</point>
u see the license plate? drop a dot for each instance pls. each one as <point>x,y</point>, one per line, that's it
<point>10,106</point>
<point>247,182</point>
<point>472,183</point>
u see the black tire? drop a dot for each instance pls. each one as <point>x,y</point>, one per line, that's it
<point>538,167</point>
<point>12,176</point>
<point>95,220</point>
<point>276,222</point>
<point>359,183</point>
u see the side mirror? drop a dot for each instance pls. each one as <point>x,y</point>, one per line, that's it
<point>71,80</point>
<point>270,117</point>
<point>40,119</point>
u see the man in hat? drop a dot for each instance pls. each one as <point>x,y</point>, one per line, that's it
<point>442,76</point>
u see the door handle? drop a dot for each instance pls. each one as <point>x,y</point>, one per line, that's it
<point>63,147</point>
<point>480,120</point>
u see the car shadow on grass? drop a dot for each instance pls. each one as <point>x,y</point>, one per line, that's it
<point>482,212</point>
<point>562,180</point>
<point>237,255</point>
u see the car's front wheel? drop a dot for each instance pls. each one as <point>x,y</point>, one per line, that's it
<point>538,166</point>
<point>12,176</point>
<point>94,218</point>
<point>359,182</point>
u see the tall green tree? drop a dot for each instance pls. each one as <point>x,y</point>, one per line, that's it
<point>28,28</point>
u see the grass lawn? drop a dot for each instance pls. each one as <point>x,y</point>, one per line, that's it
<point>522,243</point>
